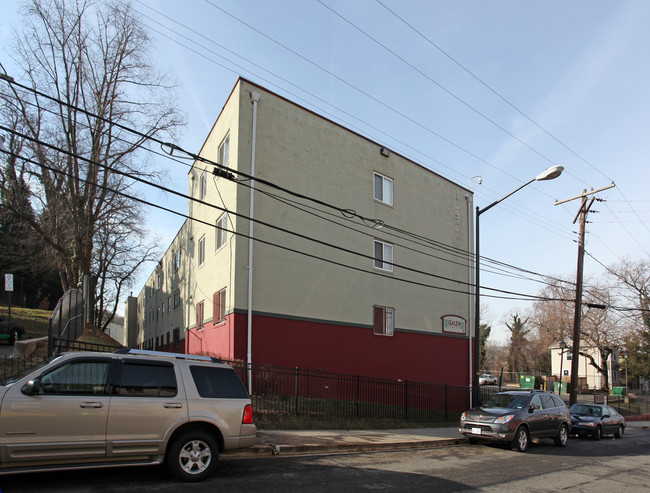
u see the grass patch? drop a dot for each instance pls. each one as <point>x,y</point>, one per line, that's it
<point>36,322</point>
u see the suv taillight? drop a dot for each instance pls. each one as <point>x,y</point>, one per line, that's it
<point>248,415</point>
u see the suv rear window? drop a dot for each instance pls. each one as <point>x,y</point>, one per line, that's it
<point>222,383</point>
<point>145,379</point>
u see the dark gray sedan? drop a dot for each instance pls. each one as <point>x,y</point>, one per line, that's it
<point>10,330</point>
<point>595,420</point>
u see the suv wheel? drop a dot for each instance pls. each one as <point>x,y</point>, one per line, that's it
<point>520,442</point>
<point>193,456</point>
<point>562,437</point>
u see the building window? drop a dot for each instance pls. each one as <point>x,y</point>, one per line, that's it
<point>199,315</point>
<point>383,255</point>
<point>383,189</point>
<point>222,232</point>
<point>169,304</point>
<point>177,260</point>
<point>219,306</point>
<point>383,320</point>
<point>203,185</point>
<point>224,151</point>
<point>177,338</point>
<point>201,250</point>
<point>177,299</point>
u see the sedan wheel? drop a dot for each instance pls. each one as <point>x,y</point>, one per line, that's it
<point>597,433</point>
<point>15,335</point>
<point>520,442</point>
<point>619,432</point>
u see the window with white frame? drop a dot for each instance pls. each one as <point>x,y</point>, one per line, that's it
<point>177,260</point>
<point>203,185</point>
<point>201,253</point>
<point>219,306</point>
<point>199,315</point>
<point>383,254</point>
<point>224,151</point>
<point>177,299</point>
<point>383,189</point>
<point>383,320</point>
<point>221,231</point>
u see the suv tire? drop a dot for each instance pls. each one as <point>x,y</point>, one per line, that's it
<point>193,456</point>
<point>520,443</point>
<point>562,437</point>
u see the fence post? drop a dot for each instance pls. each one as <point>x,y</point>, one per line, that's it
<point>296,394</point>
<point>446,402</point>
<point>406,400</point>
<point>358,383</point>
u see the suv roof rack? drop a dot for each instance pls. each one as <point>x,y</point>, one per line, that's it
<point>144,352</point>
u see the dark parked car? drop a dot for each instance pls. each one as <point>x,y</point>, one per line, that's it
<point>10,330</point>
<point>516,417</point>
<point>595,420</point>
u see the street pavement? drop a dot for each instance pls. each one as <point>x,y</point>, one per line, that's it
<point>287,442</point>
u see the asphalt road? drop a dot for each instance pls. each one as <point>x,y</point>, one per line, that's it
<point>584,465</point>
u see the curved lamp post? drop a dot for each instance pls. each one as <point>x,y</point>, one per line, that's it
<point>549,174</point>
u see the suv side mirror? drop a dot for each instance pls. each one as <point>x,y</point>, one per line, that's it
<point>532,408</point>
<point>32,387</point>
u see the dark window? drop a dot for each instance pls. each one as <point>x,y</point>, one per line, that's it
<point>147,379</point>
<point>547,402</point>
<point>558,402</point>
<point>216,382</point>
<point>76,377</point>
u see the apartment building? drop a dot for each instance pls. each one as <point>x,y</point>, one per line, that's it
<point>340,255</point>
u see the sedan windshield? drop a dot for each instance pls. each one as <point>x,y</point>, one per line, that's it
<point>506,401</point>
<point>585,410</point>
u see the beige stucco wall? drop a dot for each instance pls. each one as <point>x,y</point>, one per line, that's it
<point>308,154</point>
<point>303,152</point>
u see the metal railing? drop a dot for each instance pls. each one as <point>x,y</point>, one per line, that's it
<point>278,391</point>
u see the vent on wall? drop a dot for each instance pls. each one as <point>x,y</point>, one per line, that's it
<point>384,151</point>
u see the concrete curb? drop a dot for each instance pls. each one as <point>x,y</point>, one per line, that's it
<point>316,449</point>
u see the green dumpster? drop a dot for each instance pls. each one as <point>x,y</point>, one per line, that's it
<point>556,387</point>
<point>620,391</point>
<point>527,381</point>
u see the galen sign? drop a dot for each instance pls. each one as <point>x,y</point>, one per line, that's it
<point>453,324</point>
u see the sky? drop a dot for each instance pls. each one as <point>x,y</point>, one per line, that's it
<point>501,90</point>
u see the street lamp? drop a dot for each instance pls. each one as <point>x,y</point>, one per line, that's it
<point>549,174</point>
<point>562,346</point>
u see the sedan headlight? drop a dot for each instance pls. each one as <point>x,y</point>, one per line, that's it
<point>504,419</point>
<point>591,424</point>
<point>463,416</point>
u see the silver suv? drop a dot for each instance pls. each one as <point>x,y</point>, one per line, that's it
<point>516,417</point>
<point>131,407</point>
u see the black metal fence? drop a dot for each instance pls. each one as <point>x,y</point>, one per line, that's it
<point>63,345</point>
<point>280,391</point>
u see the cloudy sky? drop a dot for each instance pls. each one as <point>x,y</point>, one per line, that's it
<point>501,89</point>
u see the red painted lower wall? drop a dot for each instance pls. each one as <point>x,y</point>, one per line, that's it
<point>336,348</point>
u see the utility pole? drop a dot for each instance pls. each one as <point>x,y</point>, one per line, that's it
<point>577,318</point>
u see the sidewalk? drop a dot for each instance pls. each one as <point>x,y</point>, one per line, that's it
<point>284,442</point>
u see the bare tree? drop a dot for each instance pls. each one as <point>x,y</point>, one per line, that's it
<point>93,58</point>
<point>633,290</point>
<point>600,330</point>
